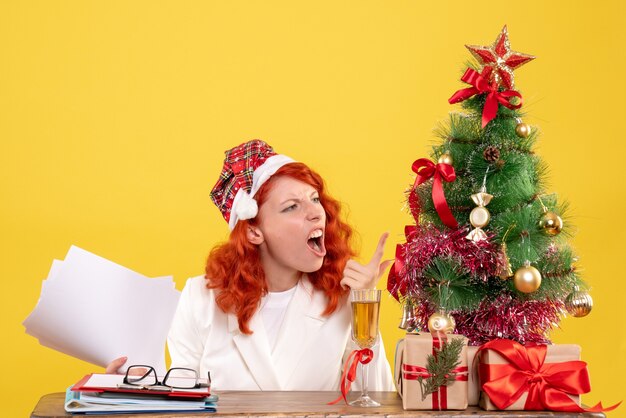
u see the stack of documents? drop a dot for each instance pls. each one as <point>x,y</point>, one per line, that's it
<point>95,310</point>
<point>100,393</point>
<point>98,403</point>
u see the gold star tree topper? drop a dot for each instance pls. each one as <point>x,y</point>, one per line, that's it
<point>500,58</point>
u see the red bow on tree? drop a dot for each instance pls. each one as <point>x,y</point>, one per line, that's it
<point>425,169</point>
<point>480,84</point>
<point>547,385</point>
<point>395,285</point>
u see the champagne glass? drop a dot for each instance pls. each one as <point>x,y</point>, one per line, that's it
<point>365,308</point>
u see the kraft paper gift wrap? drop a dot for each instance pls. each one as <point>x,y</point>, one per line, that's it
<point>558,353</point>
<point>473,386</point>
<point>411,353</point>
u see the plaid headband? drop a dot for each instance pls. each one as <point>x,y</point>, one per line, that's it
<point>246,168</point>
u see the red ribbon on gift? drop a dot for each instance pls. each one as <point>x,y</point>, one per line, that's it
<point>439,397</point>
<point>547,384</point>
<point>480,84</point>
<point>363,356</point>
<point>425,169</point>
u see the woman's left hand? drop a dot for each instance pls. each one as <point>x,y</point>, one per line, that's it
<point>357,276</point>
<point>114,366</point>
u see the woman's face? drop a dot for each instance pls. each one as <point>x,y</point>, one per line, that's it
<point>291,224</point>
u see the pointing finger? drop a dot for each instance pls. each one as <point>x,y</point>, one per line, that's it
<point>380,249</point>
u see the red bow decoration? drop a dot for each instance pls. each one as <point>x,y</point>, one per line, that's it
<point>363,356</point>
<point>547,384</point>
<point>480,84</point>
<point>395,285</point>
<point>425,169</point>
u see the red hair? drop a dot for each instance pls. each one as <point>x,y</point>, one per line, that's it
<point>234,268</point>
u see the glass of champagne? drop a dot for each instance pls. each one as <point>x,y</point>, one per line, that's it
<point>365,309</point>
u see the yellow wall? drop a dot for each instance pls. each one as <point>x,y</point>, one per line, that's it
<point>114,116</point>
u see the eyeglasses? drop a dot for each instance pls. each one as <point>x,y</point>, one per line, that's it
<point>145,377</point>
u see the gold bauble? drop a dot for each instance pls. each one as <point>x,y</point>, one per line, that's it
<point>522,130</point>
<point>551,223</point>
<point>527,279</point>
<point>445,158</point>
<point>479,217</point>
<point>578,303</point>
<point>441,322</point>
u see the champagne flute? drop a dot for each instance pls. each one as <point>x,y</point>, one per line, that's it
<point>365,309</point>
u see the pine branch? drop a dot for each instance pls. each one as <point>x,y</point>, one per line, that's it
<point>448,285</point>
<point>441,365</point>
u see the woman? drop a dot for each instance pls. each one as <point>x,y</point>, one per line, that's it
<point>271,313</point>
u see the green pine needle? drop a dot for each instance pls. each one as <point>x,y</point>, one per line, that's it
<point>449,287</point>
<point>441,365</point>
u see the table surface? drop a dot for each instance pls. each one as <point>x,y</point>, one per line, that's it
<point>303,404</point>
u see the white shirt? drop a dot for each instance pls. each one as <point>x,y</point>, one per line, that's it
<point>273,308</point>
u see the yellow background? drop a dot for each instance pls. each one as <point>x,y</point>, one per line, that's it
<point>114,116</point>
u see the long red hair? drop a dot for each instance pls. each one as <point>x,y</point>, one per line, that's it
<point>234,267</point>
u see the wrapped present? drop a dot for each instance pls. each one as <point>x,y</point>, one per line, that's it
<point>533,377</point>
<point>397,370</point>
<point>431,373</point>
<point>473,386</point>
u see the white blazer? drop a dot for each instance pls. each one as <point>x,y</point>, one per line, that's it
<point>308,355</point>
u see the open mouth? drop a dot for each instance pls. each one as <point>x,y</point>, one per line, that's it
<point>316,242</point>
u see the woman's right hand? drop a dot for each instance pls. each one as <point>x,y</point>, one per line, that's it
<point>114,366</point>
<point>359,276</point>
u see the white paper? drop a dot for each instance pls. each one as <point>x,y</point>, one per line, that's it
<point>96,310</point>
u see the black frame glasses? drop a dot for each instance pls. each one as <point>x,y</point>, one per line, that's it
<point>143,376</point>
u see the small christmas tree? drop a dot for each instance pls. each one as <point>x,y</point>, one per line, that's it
<point>488,255</point>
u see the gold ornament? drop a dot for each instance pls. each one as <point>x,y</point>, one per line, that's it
<point>578,303</point>
<point>441,323</point>
<point>479,216</point>
<point>527,279</point>
<point>505,270</point>
<point>445,158</point>
<point>550,223</point>
<point>522,130</point>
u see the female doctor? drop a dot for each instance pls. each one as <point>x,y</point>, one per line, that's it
<point>272,311</point>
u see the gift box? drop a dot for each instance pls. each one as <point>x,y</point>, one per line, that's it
<point>415,382</point>
<point>537,377</point>
<point>473,386</point>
